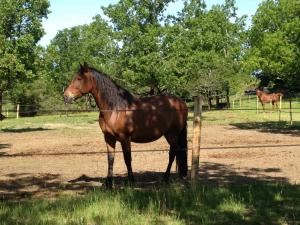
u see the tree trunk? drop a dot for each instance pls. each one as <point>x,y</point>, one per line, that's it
<point>227,98</point>
<point>217,101</point>
<point>1,102</point>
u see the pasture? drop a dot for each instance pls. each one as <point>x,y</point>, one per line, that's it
<point>52,169</point>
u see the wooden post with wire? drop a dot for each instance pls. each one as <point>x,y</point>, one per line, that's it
<point>291,113</point>
<point>280,105</point>
<point>18,110</point>
<point>196,139</point>
<point>241,102</point>
<point>256,104</point>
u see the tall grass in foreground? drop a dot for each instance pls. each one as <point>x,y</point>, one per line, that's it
<point>260,203</point>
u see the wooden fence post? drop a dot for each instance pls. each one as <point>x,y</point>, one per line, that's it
<point>240,102</point>
<point>291,113</point>
<point>280,105</point>
<point>196,139</point>
<point>256,104</point>
<point>18,110</point>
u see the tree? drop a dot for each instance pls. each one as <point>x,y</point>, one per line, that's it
<point>91,43</point>
<point>207,46</point>
<point>20,30</point>
<point>138,29</point>
<point>274,44</point>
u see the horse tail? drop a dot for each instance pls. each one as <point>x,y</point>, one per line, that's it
<point>181,153</point>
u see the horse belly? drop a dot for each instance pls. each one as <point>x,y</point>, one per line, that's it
<point>145,135</point>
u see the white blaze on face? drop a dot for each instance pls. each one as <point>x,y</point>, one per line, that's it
<point>69,94</point>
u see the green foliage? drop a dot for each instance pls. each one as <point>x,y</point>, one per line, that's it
<point>275,43</point>
<point>20,30</point>
<point>138,28</point>
<point>210,46</point>
<point>91,43</point>
<point>150,52</point>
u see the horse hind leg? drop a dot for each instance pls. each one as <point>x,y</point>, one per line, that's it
<point>178,149</point>
<point>172,154</point>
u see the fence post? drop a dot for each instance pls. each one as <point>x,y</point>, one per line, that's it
<point>18,110</point>
<point>256,104</point>
<point>240,102</point>
<point>196,139</point>
<point>291,114</point>
<point>233,103</point>
<point>280,104</point>
<point>7,112</point>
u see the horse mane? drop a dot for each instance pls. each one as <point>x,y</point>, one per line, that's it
<point>115,96</point>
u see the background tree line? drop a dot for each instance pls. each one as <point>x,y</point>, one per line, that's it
<point>210,51</point>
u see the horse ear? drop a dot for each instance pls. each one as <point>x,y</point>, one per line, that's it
<point>84,68</point>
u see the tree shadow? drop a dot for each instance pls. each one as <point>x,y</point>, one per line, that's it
<point>24,130</point>
<point>25,185</point>
<point>220,174</point>
<point>4,146</point>
<point>281,127</point>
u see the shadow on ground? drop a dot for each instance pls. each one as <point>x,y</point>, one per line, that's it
<point>24,185</point>
<point>23,130</point>
<point>271,127</point>
<point>4,146</point>
<point>223,196</point>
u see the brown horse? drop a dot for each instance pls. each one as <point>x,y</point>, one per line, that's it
<point>125,117</point>
<point>268,98</point>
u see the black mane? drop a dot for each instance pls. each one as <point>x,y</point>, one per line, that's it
<point>115,96</point>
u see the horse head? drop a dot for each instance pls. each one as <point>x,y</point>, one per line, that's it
<point>80,85</point>
<point>259,92</point>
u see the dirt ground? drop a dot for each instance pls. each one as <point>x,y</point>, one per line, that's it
<point>60,158</point>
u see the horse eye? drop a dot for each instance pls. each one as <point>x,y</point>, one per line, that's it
<point>79,78</point>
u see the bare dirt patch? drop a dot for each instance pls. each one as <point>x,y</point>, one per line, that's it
<point>58,158</point>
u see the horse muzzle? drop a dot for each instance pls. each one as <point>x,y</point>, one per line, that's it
<point>68,99</point>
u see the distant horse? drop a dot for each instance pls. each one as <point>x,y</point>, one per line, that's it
<point>268,98</point>
<point>125,117</point>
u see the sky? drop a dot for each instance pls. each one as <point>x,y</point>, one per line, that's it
<point>69,13</point>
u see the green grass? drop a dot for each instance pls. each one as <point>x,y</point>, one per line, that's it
<point>41,121</point>
<point>260,203</point>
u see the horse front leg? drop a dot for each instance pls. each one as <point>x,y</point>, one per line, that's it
<point>110,145</point>
<point>126,147</point>
<point>263,106</point>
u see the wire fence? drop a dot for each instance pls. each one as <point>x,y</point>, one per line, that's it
<point>242,103</point>
<point>236,103</point>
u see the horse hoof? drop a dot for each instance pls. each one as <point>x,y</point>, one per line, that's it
<point>166,179</point>
<point>109,183</point>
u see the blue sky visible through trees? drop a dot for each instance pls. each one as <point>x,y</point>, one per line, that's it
<point>69,13</point>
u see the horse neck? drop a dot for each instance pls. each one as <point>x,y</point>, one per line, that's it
<point>107,95</point>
